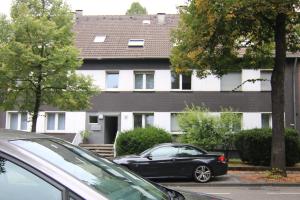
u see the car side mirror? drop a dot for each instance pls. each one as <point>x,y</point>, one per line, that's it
<point>149,157</point>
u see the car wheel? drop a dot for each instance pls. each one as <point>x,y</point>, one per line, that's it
<point>202,174</point>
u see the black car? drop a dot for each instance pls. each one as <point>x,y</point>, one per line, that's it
<point>176,161</point>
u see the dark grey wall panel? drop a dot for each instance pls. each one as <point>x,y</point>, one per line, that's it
<point>2,119</point>
<point>177,101</point>
<point>125,64</point>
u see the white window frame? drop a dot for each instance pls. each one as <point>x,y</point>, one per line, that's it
<point>143,118</point>
<point>19,120</point>
<point>174,132</point>
<point>94,116</point>
<point>180,84</point>
<point>144,73</point>
<point>260,72</point>
<point>55,122</point>
<point>112,72</point>
<point>136,43</point>
<point>270,118</point>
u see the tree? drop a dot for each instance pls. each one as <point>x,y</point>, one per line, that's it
<point>218,36</point>
<point>136,9</point>
<point>38,60</point>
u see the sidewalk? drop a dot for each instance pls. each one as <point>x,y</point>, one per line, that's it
<point>242,178</point>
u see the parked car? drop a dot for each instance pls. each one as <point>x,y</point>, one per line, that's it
<point>176,161</point>
<point>35,167</point>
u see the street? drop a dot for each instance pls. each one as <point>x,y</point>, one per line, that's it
<point>248,193</point>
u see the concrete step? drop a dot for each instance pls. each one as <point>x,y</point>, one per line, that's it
<point>104,150</point>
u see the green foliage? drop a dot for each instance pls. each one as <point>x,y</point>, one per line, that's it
<point>212,34</point>
<point>136,9</point>
<point>38,59</point>
<point>140,139</point>
<point>205,130</point>
<point>254,146</point>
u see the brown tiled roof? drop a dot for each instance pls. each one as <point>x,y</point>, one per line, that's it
<point>118,30</point>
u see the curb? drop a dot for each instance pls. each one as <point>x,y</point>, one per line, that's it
<point>259,168</point>
<point>231,184</point>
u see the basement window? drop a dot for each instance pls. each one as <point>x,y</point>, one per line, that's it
<point>136,43</point>
<point>100,38</point>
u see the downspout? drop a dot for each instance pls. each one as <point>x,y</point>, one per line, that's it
<point>294,93</point>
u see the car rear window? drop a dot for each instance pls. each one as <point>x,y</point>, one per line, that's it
<point>104,176</point>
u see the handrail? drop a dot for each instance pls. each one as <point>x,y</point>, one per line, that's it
<point>115,143</point>
<point>77,139</point>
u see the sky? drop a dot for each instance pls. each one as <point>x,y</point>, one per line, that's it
<point>112,7</point>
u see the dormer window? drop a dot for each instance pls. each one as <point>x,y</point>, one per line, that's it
<point>100,38</point>
<point>136,42</point>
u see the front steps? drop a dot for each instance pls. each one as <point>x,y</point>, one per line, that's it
<point>104,150</point>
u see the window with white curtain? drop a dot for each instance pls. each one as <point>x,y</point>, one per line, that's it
<point>112,80</point>
<point>266,82</point>
<point>18,121</point>
<point>56,121</point>
<point>174,123</point>
<point>144,80</point>
<point>13,121</point>
<point>231,81</point>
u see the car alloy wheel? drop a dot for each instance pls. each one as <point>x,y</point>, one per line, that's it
<point>202,174</point>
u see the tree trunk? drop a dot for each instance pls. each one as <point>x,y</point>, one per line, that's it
<point>278,161</point>
<point>38,95</point>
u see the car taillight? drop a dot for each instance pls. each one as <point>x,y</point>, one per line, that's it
<point>221,158</point>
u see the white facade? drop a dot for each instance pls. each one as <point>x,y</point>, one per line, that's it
<point>162,80</point>
<point>74,122</point>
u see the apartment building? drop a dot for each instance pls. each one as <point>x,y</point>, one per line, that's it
<point>128,58</point>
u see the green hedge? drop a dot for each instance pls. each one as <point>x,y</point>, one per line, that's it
<point>254,146</point>
<point>140,139</point>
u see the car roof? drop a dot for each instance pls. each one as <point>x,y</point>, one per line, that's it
<point>6,135</point>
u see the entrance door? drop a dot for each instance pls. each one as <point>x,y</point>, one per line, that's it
<point>110,129</point>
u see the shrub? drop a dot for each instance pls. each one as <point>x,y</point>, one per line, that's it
<point>138,140</point>
<point>254,146</point>
<point>206,130</point>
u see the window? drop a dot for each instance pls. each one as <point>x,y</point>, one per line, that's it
<point>188,151</point>
<point>174,123</point>
<point>266,120</point>
<point>266,83</point>
<point>136,42</point>
<point>93,119</point>
<point>143,120</point>
<point>56,121</point>
<point>18,121</point>
<point>181,81</point>
<point>144,80</point>
<point>100,38</point>
<point>231,81</point>
<point>232,121</point>
<point>18,183</point>
<point>164,152</point>
<point>112,80</point>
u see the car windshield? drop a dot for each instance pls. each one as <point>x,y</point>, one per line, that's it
<point>108,178</point>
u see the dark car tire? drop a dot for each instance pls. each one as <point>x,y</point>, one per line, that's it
<point>202,173</point>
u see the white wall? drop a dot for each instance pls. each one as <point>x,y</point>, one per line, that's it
<point>126,121</point>
<point>250,74</point>
<point>163,120</point>
<point>75,122</point>
<point>162,80</point>
<point>251,120</point>
<point>126,80</point>
<point>98,76</point>
<point>210,83</point>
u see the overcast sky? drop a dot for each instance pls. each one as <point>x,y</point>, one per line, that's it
<point>112,7</point>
